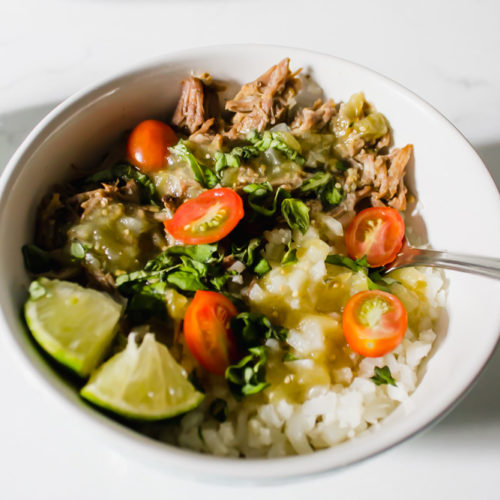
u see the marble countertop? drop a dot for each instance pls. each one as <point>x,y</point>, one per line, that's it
<point>447,52</point>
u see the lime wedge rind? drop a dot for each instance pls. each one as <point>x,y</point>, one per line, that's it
<point>132,414</point>
<point>142,383</point>
<point>53,348</point>
<point>73,324</point>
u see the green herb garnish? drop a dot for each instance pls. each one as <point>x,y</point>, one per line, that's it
<point>125,172</point>
<point>290,256</point>
<point>288,356</point>
<point>315,183</point>
<point>248,376</point>
<point>331,195</point>
<point>262,199</point>
<point>354,265</point>
<point>296,214</point>
<point>249,254</point>
<point>187,268</point>
<point>234,157</point>
<point>201,173</point>
<point>383,376</point>
<point>324,187</point>
<point>376,280</point>
<point>252,329</point>
<point>277,140</point>
<point>262,268</point>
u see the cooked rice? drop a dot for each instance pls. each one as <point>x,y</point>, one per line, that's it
<point>342,401</point>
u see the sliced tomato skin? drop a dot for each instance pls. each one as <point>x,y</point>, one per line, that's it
<point>380,245</point>
<point>148,143</point>
<point>180,226</point>
<point>208,332</point>
<point>374,341</point>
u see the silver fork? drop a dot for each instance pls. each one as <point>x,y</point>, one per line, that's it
<point>410,256</point>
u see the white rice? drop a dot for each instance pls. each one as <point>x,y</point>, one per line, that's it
<point>343,401</point>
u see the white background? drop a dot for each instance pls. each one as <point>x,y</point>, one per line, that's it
<point>445,51</point>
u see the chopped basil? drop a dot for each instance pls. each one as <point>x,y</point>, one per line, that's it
<point>233,158</point>
<point>262,267</point>
<point>249,254</point>
<point>377,276</point>
<point>201,173</point>
<point>353,265</point>
<point>324,187</point>
<point>383,376</point>
<point>315,183</point>
<point>340,165</point>
<point>288,356</point>
<point>296,214</point>
<point>187,268</point>
<point>252,329</point>
<point>197,253</point>
<point>187,281</point>
<point>218,409</point>
<point>290,256</point>
<point>225,160</point>
<point>147,301</point>
<point>36,260</point>
<point>248,375</point>
<point>331,195</point>
<point>126,172</point>
<point>376,280</point>
<point>277,140</point>
<point>262,200</point>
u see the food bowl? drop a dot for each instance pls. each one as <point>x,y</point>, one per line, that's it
<point>455,193</point>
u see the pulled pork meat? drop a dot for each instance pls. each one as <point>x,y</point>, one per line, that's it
<point>198,105</point>
<point>264,101</point>
<point>129,193</point>
<point>315,118</point>
<point>384,175</point>
<point>270,99</point>
<point>190,108</point>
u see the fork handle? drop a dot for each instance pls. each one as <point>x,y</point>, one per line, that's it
<point>475,264</point>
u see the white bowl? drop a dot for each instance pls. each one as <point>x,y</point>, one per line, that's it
<point>459,204</point>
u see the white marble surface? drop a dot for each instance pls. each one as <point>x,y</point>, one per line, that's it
<point>447,52</point>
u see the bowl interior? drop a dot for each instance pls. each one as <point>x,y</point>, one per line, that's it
<point>455,195</point>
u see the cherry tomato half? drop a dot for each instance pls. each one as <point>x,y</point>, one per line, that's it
<point>148,143</point>
<point>207,329</point>
<point>207,218</point>
<point>374,323</point>
<point>376,232</point>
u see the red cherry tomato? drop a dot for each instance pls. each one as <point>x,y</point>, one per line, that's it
<point>376,232</point>
<point>207,218</point>
<point>148,143</point>
<point>374,323</point>
<point>207,329</point>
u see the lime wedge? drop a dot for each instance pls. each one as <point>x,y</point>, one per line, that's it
<point>144,383</point>
<point>75,325</point>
